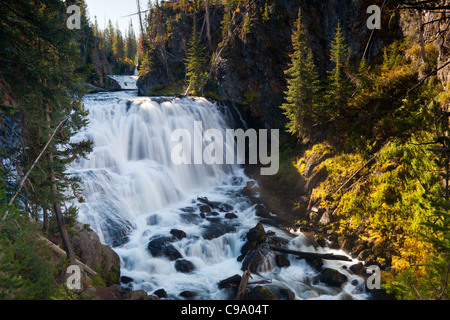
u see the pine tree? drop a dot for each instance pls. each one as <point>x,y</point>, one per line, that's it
<point>338,87</point>
<point>109,35</point>
<point>195,63</point>
<point>130,43</point>
<point>43,75</point>
<point>118,43</point>
<point>302,106</point>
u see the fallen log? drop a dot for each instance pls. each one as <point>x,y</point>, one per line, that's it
<point>63,253</point>
<point>260,282</point>
<point>243,285</point>
<point>311,255</point>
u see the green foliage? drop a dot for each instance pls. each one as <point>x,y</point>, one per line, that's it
<point>195,63</point>
<point>120,49</point>
<point>149,58</point>
<point>338,88</point>
<point>247,24</point>
<point>26,271</point>
<point>226,21</point>
<point>302,106</point>
<point>265,14</point>
<point>430,280</point>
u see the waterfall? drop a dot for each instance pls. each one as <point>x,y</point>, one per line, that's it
<point>139,202</point>
<point>130,171</point>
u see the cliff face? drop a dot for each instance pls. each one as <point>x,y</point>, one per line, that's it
<point>435,33</point>
<point>250,69</point>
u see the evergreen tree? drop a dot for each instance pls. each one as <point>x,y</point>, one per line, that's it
<point>338,87</point>
<point>109,35</point>
<point>48,88</point>
<point>130,43</point>
<point>118,44</point>
<point>302,106</point>
<point>195,63</point>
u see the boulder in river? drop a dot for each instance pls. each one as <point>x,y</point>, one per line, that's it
<point>160,247</point>
<point>257,235</point>
<point>188,294</point>
<point>261,293</point>
<point>230,282</point>
<point>179,234</point>
<point>332,277</point>
<point>160,293</point>
<point>259,259</point>
<point>184,266</point>
<point>282,261</point>
<point>230,215</point>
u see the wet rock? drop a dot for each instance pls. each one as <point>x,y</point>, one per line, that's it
<point>119,242</point>
<point>192,218</point>
<point>205,201</point>
<point>160,247</point>
<point>272,239</point>
<point>213,219</point>
<point>217,229</point>
<point>281,261</point>
<point>230,216</point>
<point>255,237</point>
<point>184,266</point>
<point>212,214</point>
<point>357,269</point>
<point>316,263</point>
<point>188,209</point>
<point>126,280</point>
<point>287,294</point>
<point>225,207</point>
<point>160,293</point>
<point>332,277</point>
<point>261,293</point>
<point>249,189</point>
<point>179,234</point>
<point>205,208</point>
<point>188,294</point>
<point>262,211</point>
<point>260,259</point>
<point>257,234</point>
<point>320,240</point>
<point>230,282</point>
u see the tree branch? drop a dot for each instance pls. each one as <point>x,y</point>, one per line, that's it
<point>29,171</point>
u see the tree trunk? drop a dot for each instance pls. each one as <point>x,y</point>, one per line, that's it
<point>309,255</point>
<point>208,24</point>
<point>56,206</point>
<point>243,285</point>
<point>421,39</point>
<point>45,220</point>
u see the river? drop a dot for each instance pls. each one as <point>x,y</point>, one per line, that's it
<point>135,195</point>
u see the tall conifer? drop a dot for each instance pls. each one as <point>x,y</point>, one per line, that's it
<point>302,105</point>
<point>195,63</point>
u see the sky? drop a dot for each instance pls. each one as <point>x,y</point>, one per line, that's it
<point>116,10</point>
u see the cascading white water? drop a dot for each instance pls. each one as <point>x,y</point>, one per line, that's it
<point>134,194</point>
